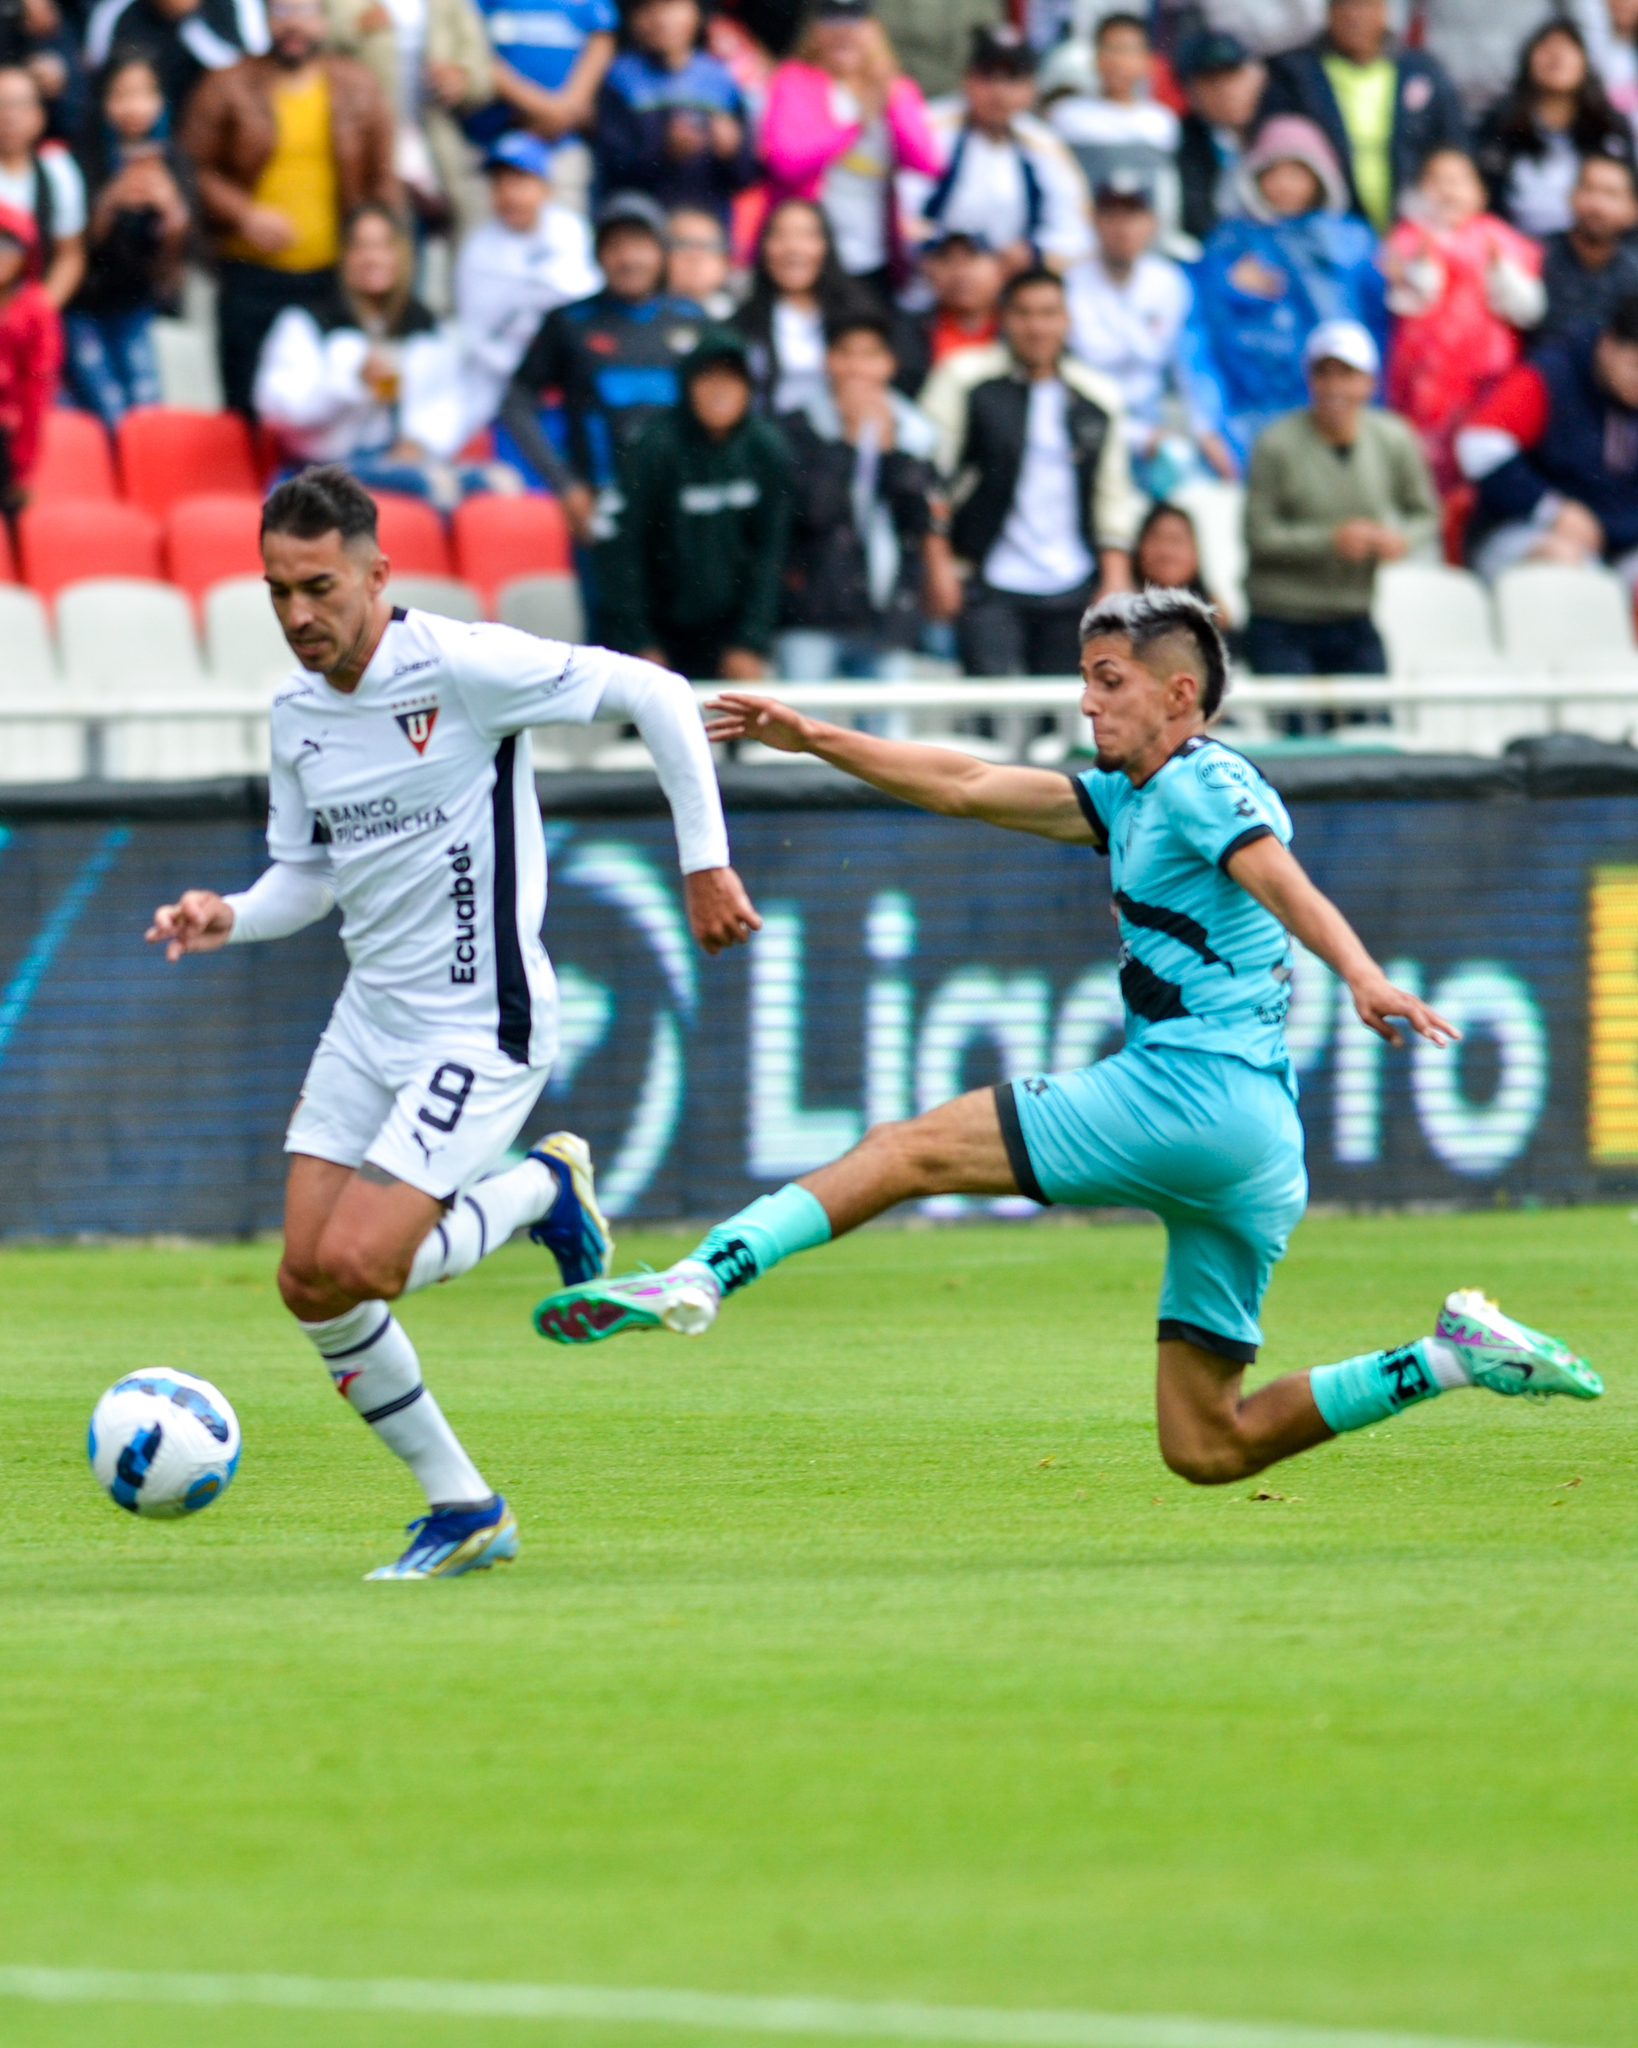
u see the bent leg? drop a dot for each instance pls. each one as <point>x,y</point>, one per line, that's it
<point>956,1149</point>
<point>1210,1433</point>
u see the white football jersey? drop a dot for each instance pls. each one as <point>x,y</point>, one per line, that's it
<point>418,788</point>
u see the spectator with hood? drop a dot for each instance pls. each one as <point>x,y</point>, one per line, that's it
<point>531,255</point>
<point>841,122</point>
<point>1553,453</point>
<point>867,556</point>
<point>797,284</point>
<point>1267,279</point>
<point>135,237</point>
<point>1223,84</point>
<point>181,39</point>
<point>369,379</point>
<point>671,122</point>
<point>693,579</point>
<point>1532,144</point>
<point>1007,177</point>
<point>31,353</point>
<point>1382,106</point>
<point>1594,262</point>
<point>613,359</point>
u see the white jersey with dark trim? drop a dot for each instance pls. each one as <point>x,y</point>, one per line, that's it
<point>417,793</point>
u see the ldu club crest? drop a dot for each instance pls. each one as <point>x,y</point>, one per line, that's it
<point>416,726</point>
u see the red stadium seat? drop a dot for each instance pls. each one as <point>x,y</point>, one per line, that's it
<point>8,567</point>
<point>213,536</point>
<point>411,535</point>
<point>75,459</point>
<point>76,538</point>
<point>166,454</point>
<point>499,539</point>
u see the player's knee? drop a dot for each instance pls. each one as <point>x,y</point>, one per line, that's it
<point>1206,1459</point>
<point>914,1153</point>
<point>363,1272</point>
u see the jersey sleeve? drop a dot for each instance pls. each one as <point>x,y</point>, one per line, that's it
<point>294,834</point>
<point>511,680</point>
<point>1093,809</point>
<point>1217,803</point>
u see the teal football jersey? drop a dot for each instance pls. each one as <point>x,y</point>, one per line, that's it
<point>1203,966</point>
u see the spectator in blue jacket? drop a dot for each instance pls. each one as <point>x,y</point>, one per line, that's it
<point>671,122</point>
<point>1265,282</point>
<point>1383,107</point>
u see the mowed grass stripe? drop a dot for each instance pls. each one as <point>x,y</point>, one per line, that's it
<point>833,2018</point>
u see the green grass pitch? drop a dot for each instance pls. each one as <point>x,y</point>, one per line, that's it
<point>863,1648</point>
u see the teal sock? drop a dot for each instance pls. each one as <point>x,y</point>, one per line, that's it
<point>749,1244</point>
<point>1371,1388</point>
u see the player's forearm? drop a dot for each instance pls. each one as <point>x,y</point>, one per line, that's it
<point>662,707</point>
<point>282,900</point>
<point>933,778</point>
<point>1313,920</point>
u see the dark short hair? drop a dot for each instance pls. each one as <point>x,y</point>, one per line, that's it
<point>327,499</point>
<point>1610,163</point>
<point>1621,321</point>
<point>1024,280</point>
<point>1111,22</point>
<point>867,318</point>
<point>1146,617</point>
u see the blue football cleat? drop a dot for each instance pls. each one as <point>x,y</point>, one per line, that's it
<point>444,1546</point>
<point>574,1230</point>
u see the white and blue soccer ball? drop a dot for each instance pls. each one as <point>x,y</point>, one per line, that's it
<point>163,1443</point>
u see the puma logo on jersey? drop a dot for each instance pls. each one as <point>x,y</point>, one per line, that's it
<point>416,726</point>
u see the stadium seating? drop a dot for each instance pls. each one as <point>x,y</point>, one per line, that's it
<point>498,539</point>
<point>212,537</point>
<point>113,632</point>
<point>1436,621</point>
<point>43,750</point>
<point>547,605</point>
<point>166,454</point>
<point>448,596</point>
<point>1573,621</point>
<point>1219,514</point>
<point>411,535</point>
<point>188,372</point>
<point>25,633</point>
<point>76,460</point>
<point>243,644</point>
<point>8,561</point>
<point>65,541</point>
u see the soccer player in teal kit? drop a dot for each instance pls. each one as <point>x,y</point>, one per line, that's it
<point>1195,1118</point>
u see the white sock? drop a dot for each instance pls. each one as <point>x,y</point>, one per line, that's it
<point>481,1222</point>
<point>373,1363</point>
<point>1446,1361</point>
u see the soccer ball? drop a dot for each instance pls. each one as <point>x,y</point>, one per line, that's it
<point>163,1443</point>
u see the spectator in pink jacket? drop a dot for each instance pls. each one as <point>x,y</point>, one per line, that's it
<point>1463,284</point>
<point>841,120</point>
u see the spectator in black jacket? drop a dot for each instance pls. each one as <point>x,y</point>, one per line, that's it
<point>136,184</point>
<point>182,39</point>
<point>1531,144</point>
<point>1223,84</point>
<point>693,580</point>
<point>1594,263</point>
<point>670,119</point>
<point>1384,107</point>
<point>866,513</point>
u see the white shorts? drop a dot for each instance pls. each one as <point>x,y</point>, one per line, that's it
<point>437,1114</point>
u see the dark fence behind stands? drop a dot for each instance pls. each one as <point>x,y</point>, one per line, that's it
<point>903,957</point>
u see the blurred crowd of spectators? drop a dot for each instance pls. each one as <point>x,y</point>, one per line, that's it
<point>828,375</point>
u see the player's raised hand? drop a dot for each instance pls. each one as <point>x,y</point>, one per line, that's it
<point>1376,999</point>
<point>199,923</point>
<point>720,914</point>
<point>735,716</point>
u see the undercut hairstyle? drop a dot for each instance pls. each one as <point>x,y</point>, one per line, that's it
<point>327,499</point>
<point>1148,618</point>
<point>1026,280</point>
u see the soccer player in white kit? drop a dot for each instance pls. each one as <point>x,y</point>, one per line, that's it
<point>401,788</point>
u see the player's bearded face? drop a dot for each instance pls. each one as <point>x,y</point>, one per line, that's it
<point>1126,702</point>
<point>322,591</point>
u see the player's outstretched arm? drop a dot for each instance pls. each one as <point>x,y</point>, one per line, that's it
<point>1271,872</point>
<point>198,922</point>
<point>936,778</point>
<point>284,898</point>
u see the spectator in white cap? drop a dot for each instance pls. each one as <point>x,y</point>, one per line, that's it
<point>1335,489</point>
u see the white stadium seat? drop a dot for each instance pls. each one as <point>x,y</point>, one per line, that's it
<point>50,751</point>
<point>1436,621</point>
<point>1218,510</point>
<point>448,596</point>
<point>188,374</point>
<point>549,606</point>
<point>1572,620</point>
<point>243,644</point>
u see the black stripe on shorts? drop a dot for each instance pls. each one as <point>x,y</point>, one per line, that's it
<point>1012,1136</point>
<point>1235,1349</point>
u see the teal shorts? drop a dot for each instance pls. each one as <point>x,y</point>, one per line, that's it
<point>1211,1145</point>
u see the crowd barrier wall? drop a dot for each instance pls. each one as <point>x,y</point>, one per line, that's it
<point>903,957</point>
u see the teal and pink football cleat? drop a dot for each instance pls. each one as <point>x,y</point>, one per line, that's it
<point>683,1300</point>
<point>443,1546</point>
<point>1509,1357</point>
